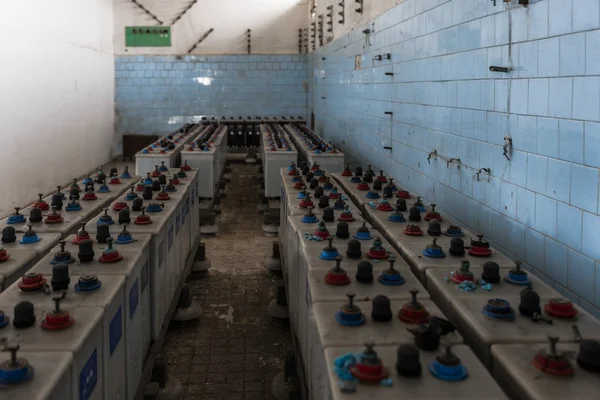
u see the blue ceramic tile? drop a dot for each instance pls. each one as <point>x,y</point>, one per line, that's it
<point>545,215</point>
<point>519,92</point>
<point>494,132</point>
<point>515,168</point>
<point>597,300</point>
<point>559,15</point>
<point>570,140</point>
<point>537,173</point>
<point>595,311</point>
<point>538,20</point>
<point>547,137</point>
<point>586,98</point>
<point>586,15</point>
<point>484,220</point>
<point>526,139</point>
<point>592,144</point>
<point>538,97</point>
<point>528,61</point>
<point>479,125</point>
<point>499,232</point>
<point>519,24</point>
<point>467,123</point>
<point>488,94</point>
<point>572,54</point>
<point>535,249</point>
<point>487,31</point>
<point>525,206</point>
<point>561,97</point>
<point>492,194</point>
<point>581,276</point>
<point>508,200</point>
<point>569,222</point>
<point>501,95</point>
<point>592,53</point>
<point>584,188</point>
<point>515,238</point>
<point>566,293</point>
<point>557,261</point>
<point>590,245</point>
<point>559,180</point>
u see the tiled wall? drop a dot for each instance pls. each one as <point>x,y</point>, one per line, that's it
<point>542,205</point>
<point>155,94</point>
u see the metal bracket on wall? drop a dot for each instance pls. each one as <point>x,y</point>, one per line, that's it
<point>359,6</point>
<point>249,36</point>
<point>208,32</point>
<point>313,28</point>
<point>342,13</point>
<point>320,30</point>
<point>144,9</point>
<point>181,14</point>
<point>305,40</point>
<point>300,41</point>
<point>330,18</point>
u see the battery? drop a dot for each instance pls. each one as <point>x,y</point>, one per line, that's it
<point>109,296</point>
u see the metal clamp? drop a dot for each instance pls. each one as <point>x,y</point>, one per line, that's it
<point>507,147</point>
<point>431,155</point>
<point>360,6</point>
<point>486,170</point>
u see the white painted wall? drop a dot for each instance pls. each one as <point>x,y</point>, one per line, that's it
<point>371,9</point>
<point>57,102</point>
<point>274,25</point>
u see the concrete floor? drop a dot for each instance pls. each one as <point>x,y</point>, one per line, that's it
<point>234,351</point>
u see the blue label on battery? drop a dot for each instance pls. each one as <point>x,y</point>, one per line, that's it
<point>88,377</point>
<point>134,298</point>
<point>145,274</point>
<point>115,330</point>
<point>161,253</point>
<point>177,224</point>
<point>170,238</point>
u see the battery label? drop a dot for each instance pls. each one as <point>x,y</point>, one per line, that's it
<point>88,377</point>
<point>115,330</point>
<point>134,298</point>
<point>170,238</point>
<point>145,274</point>
<point>308,297</point>
<point>161,253</point>
<point>177,224</point>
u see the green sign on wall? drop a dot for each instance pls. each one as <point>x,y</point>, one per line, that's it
<point>147,36</point>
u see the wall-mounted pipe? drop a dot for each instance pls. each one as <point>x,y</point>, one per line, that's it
<point>342,13</point>
<point>249,37</point>
<point>181,14</point>
<point>320,34</point>
<point>144,9</point>
<point>208,32</point>
<point>359,6</point>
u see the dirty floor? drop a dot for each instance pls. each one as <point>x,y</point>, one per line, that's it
<point>235,349</point>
